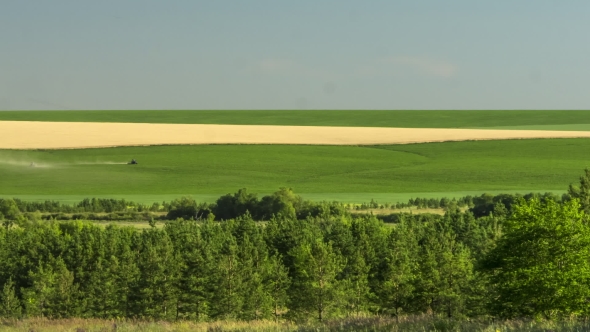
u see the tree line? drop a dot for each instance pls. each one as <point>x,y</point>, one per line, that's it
<point>532,260</point>
<point>283,202</point>
<point>314,268</point>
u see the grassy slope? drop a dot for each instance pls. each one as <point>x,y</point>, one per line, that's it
<point>347,173</point>
<point>573,120</point>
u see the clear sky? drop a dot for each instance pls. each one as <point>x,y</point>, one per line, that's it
<point>309,54</point>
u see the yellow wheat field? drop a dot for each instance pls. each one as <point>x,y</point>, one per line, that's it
<point>70,135</point>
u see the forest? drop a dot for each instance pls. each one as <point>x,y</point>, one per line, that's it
<point>284,259</point>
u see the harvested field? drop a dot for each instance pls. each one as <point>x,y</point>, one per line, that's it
<point>68,135</point>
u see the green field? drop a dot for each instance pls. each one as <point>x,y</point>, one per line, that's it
<point>347,173</point>
<point>559,120</point>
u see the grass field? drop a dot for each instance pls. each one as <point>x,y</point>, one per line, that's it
<point>547,120</point>
<point>347,173</point>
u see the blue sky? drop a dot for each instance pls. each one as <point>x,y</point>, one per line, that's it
<point>310,54</point>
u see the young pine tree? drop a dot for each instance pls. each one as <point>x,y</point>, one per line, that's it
<point>228,292</point>
<point>53,292</point>
<point>155,292</point>
<point>257,302</point>
<point>316,291</point>
<point>104,292</point>
<point>399,273</point>
<point>10,306</point>
<point>445,274</point>
<point>195,272</point>
<point>277,285</point>
<point>357,284</point>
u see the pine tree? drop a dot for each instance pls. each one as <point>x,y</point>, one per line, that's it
<point>399,273</point>
<point>254,259</point>
<point>278,283</point>
<point>82,255</point>
<point>10,306</point>
<point>582,192</point>
<point>446,270</point>
<point>53,292</point>
<point>257,301</point>
<point>357,284</point>
<point>103,290</point>
<point>155,291</point>
<point>196,269</point>
<point>456,268</point>
<point>228,289</point>
<point>120,245</point>
<point>315,290</point>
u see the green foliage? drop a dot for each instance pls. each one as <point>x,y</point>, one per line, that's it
<point>10,306</point>
<point>277,283</point>
<point>282,203</point>
<point>8,212</point>
<point>53,292</point>
<point>196,269</point>
<point>154,293</point>
<point>400,271</point>
<point>540,267</point>
<point>232,206</point>
<point>185,208</point>
<point>582,192</point>
<point>228,282</point>
<point>315,291</point>
<point>444,274</point>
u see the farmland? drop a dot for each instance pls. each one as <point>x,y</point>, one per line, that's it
<point>386,173</point>
<point>348,173</point>
<point>230,254</point>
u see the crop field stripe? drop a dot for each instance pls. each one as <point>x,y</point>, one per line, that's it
<point>348,118</point>
<point>68,135</point>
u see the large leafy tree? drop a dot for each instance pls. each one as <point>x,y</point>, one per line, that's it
<point>540,267</point>
<point>232,206</point>
<point>281,203</point>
